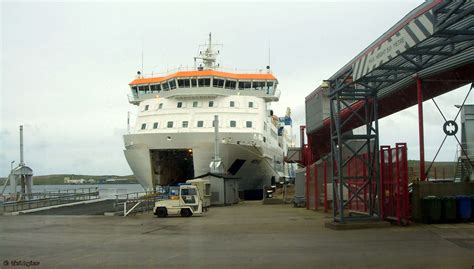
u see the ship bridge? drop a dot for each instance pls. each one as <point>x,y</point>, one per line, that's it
<point>205,83</point>
<point>205,80</point>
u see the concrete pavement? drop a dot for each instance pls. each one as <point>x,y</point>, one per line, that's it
<point>248,235</point>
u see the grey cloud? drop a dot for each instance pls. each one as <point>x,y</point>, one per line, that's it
<point>65,77</point>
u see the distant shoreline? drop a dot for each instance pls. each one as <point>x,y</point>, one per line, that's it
<point>105,183</point>
<point>59,179</point>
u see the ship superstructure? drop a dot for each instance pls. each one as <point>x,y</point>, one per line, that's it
<point>173,136</point>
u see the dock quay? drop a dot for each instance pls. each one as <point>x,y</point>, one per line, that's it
<point>246,235</point>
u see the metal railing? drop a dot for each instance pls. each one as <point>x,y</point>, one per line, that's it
<point>460,151</point>
<point>13,203</point>
<point>134,202</point>
<point>194,68</point>
<point>262,93</point>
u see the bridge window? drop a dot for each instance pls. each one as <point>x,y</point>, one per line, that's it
<point>232,104</point>
<point>185,124</point>
<point>143,89</point>
<point>160,106</point>
<point>155,88</point>
<point>195,104</point>
<point>218,83</point>
<point>259,85</point>
<point>169,124</point>
<point>135,90</point>
<point>200,123</point>
<point>179,105</point>
<point>172,84</point>
<point>230,84</point>
<point>165,86</point>
<point>211,103</point>
<point>248,124</point>
<point>146,107</point>
<point>269,86</point>
<point>233,123</point>
<point>156,125</point>
<point>193,82</point>
<point>250,104</point>
<point>143,126</point>
<point>184,83</point>
<point>245,85</point>
<point>204,82</point>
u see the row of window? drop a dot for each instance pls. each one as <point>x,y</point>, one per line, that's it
<point>199,124</point>
<point>203,82</point>
<point>196,104</point>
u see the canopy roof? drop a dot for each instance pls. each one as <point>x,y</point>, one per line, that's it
<point>204,73</point>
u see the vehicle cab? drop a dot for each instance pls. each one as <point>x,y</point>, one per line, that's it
<point>183,200</point>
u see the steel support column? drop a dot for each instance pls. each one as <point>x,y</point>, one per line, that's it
<point>421,135</point>
<point>302,145</point>
<point>346,147</point>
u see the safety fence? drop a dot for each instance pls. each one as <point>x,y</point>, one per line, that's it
<point>134,202</point>
<point>393,195</point>
<point>16,202</point>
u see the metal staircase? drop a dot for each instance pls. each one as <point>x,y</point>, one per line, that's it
<point>463,169</point>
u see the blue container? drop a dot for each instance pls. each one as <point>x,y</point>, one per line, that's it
<point>472,207</point>
<point>463,204</point>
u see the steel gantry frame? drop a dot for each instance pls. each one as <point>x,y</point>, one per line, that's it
<point>418,46</point>
<point>362,146</point>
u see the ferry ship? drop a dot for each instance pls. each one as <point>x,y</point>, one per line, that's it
<point>174,134</point>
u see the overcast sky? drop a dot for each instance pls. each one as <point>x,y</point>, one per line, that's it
<point>65,68</point>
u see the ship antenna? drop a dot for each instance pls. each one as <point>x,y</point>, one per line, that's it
<point>269,58</point>
<point>269,53</point>
<point>210,42</point>
<point>142,53</point>
<point>208,55</point>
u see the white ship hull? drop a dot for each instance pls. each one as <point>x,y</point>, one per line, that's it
<point>173,136</point>
<point>259,163</point>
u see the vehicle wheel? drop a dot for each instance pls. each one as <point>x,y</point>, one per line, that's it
<point>161,212</point>
<point>186,212</point>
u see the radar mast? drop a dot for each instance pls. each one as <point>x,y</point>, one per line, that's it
<point>208,56</point>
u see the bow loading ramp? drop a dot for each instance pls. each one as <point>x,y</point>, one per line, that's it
<point>428,53</point>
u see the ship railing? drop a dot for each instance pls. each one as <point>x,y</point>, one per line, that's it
<point>18,202</point>
<point>277,93</point>
<point>132,98</point>
<point>220,68</point>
